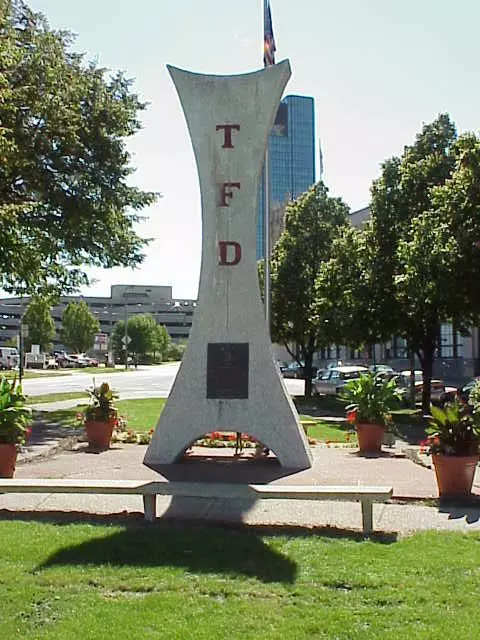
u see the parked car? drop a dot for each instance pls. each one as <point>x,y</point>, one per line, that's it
<point>383,370</point>
<point>331,381</point>
<point>87,360</point>
<point>440,392</point>
<point>294,370</point>
<point>70,360</point>
<point>9,357</point>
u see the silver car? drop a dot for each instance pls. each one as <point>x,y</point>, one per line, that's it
<point>331,381</point>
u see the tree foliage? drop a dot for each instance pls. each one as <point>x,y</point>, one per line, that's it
<point>65,196</point>
<point>416,263</point>
<point>79,327</point>
<point>146,337</point>
<point>41,326</point>
<point>312,223</point>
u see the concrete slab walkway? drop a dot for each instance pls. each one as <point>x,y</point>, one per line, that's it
<point>414,506</point>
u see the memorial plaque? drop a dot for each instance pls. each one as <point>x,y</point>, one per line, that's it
<point>227,370</point>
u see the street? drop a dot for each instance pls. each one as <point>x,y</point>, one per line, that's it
<point>144,382</point>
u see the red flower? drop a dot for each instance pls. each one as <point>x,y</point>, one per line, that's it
<point>352,416</point>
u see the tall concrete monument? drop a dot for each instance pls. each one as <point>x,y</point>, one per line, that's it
<point>228,380</point>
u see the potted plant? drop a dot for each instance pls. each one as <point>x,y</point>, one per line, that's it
<point>454,444</point>
<point>100,416</point>
<point>370,402</point>
<point>15,418</point>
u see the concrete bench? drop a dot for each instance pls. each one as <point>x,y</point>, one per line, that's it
<point>150,490</point>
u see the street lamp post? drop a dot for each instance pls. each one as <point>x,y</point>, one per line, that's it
<point>125,337</point>
<point>21,349</point>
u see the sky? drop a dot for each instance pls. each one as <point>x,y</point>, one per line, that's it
<point>377,69</point>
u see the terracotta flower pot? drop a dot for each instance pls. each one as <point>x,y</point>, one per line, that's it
<point>454,474</point>
<point>99,433</point>
<point>8,459</point>
<point>370,437</point>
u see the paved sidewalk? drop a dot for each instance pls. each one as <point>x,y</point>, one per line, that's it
<point>414,506</point>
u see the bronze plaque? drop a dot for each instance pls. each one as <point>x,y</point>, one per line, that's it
<point>227,370</point>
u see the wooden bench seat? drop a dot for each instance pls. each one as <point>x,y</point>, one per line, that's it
<point>150,490</point>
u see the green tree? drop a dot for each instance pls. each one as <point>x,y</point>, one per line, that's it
<point>346,292</point>
<point>146,337</point>
<point>79,327</point>
<point>176,350</point>
<point>66,195</point>
<point>416,264</point>
<point>163,342</point>
<point>404,231</point>
<point>312,223</point>
<point>41,326</point>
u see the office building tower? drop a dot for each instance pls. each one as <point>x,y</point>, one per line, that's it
<point>292,162</point>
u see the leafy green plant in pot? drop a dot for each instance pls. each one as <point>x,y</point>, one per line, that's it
<point>100,416</point>
<point>15,419</point>
<point>454,444</point>
<point>370,403</point>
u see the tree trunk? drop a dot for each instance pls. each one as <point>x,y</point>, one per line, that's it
<point>412,377</point>
<point>308,372</point>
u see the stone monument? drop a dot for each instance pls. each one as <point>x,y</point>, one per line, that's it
<point>228,379</point>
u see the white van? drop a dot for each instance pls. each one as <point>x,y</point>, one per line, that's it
<point>8,357</point>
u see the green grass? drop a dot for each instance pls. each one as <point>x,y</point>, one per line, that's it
<point>80,581</point>
<point>330,431</point>
<point>28,373</point>
<point>56,397</point>
<point>95,371</point>
<point>141,414</point>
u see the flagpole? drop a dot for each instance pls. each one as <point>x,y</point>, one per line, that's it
<point>269,49</point>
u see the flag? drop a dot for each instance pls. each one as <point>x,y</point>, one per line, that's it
<point>268,39</point>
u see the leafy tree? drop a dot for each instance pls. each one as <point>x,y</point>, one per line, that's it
<point>162,343</point>
<point>79,327</point>
<point>346,293</point>
<point>404,231</point>
<point>416,264</point>
<point>115,341</point>
<point>146,337</point>
<point>176,350</point>
<point>311,224</point>
<point>66,198</point>
<point>41,326</point>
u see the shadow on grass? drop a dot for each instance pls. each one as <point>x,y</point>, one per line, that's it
<point>192,547</point>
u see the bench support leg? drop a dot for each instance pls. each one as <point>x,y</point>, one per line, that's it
<point>150,507</point>
<point>367,516</point>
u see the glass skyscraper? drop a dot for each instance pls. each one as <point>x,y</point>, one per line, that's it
<point>292,159</point>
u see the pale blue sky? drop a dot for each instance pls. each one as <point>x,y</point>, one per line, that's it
<point>377,69</point>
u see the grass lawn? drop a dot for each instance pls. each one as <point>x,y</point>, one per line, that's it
<point>141,414</point>
<point>330,431</point>
<point>171,581</point>
<point>56,397</point>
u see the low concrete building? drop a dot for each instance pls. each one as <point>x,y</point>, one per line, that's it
<point>124,301</point>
